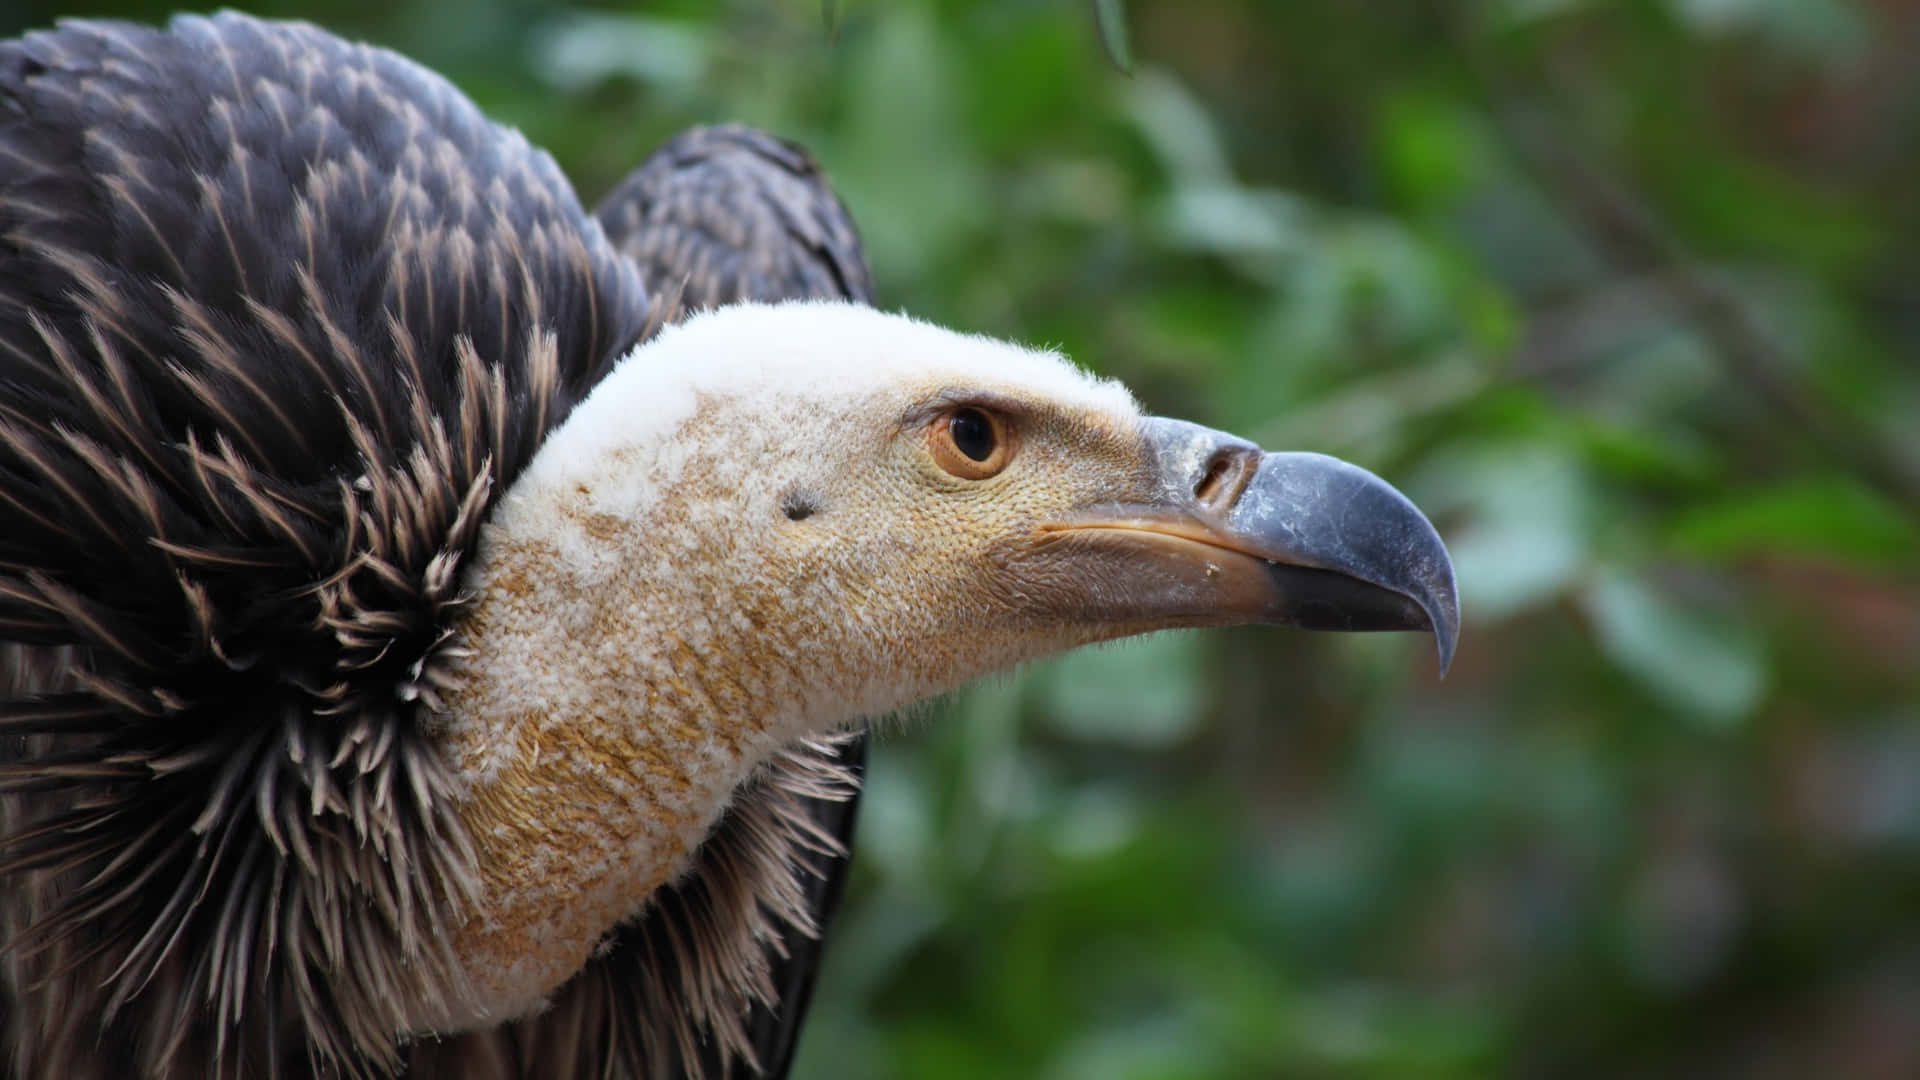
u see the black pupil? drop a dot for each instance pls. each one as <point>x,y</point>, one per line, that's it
<point>972,434</point>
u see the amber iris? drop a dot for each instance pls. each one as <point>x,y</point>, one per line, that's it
<point>971,443</point>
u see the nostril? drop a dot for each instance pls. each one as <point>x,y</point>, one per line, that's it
<point>1216,482</point>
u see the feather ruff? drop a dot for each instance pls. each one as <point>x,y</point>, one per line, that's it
<point>280,317</point>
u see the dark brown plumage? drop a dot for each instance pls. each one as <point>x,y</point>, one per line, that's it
<point>723,214</point>
<point>280,318</point>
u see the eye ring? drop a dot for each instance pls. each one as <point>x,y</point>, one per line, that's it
<point>970,442</point>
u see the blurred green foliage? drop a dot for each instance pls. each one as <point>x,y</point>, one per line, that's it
<point>1626,294</point>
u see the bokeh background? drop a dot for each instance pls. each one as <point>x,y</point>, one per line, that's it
<point>1627,295</point>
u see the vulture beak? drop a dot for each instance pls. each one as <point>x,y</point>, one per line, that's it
<point>1223,532</point>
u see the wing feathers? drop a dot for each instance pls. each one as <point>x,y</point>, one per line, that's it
<point>281,316</point>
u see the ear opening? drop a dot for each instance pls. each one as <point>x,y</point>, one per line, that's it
<point>799,504</point>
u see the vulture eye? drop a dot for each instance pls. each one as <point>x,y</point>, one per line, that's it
<point>971,443</point>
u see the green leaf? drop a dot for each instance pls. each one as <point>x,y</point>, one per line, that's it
<point>1430,147</point>
<point>1110,18</point>
<point>1176,126</point>
<point>1701,664</point>
<point>1644,454</point>
<point>1824,516</point>
<point>578,50</point>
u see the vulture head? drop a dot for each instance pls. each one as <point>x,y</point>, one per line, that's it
<point>775,520</point>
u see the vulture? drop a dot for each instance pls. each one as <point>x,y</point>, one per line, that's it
<point>437,624</point>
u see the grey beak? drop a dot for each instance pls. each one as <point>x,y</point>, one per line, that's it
<point>1344,549</point>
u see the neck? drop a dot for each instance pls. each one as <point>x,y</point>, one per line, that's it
<point>604,735</point>
<point>640,658</point>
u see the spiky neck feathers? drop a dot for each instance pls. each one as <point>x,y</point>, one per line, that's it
<point>734,542</point>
